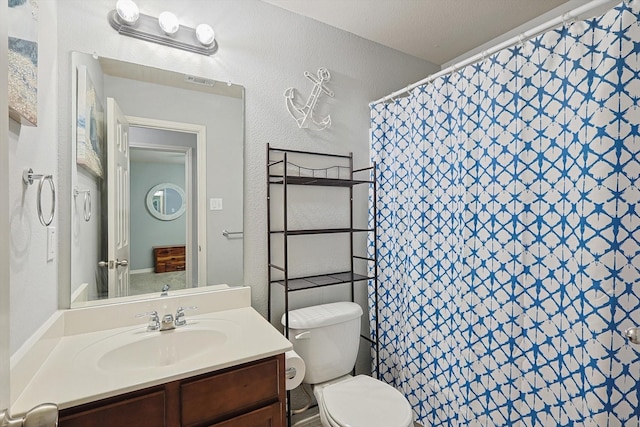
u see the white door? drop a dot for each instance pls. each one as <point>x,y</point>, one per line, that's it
<point>118,205</point>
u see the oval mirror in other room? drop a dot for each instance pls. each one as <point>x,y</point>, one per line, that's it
<point>166,201</point>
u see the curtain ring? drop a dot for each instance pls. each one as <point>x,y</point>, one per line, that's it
<point>49,179</point>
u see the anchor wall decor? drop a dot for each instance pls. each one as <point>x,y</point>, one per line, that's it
<point>304,115</point>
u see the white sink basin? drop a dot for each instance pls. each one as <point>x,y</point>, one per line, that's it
<point>138,349</point>
<point>162,349</point>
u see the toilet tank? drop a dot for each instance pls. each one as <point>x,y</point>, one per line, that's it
<point>327,338</point>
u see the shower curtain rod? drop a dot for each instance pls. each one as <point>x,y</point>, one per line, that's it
<point>568,16</point>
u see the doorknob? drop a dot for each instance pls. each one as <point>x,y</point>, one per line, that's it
<point>633,334</point>
<point>114,264</point>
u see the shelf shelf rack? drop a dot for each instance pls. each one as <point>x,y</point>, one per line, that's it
<point>281,171</point>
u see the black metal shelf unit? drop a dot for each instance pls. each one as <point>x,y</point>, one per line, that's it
<point>283,172</point>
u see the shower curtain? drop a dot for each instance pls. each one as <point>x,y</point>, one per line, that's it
<point>508,212</point>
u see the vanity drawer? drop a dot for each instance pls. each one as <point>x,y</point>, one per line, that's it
<point>248,395</point>
<point>174,266</point>
<point>269,416</point>
<point>169,252</point>
<point>129,410</point>
<point>232,392</point>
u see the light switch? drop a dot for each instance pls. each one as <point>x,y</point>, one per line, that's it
<point>215,204</point>
<point>51,243</point>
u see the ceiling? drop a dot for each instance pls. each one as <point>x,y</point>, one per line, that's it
<point>435,30</point>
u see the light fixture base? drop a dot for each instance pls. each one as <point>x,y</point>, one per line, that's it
<point>147,28</point>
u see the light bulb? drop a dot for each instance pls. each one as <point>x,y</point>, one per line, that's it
<point>168,22</point>
<point>127,11</point>
<point>205,34</point>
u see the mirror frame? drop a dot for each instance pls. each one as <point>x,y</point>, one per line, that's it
<point>162,216</point>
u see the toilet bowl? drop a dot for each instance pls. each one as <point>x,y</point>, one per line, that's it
<point>362,401</point>
<point>327,339</point>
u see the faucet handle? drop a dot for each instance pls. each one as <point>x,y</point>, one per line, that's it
<point>180,320</point>
<point>154,320</point>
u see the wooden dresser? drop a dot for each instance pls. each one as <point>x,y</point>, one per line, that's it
<point>169,258</point>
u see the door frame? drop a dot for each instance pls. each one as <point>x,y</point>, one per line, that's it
<point>200,131</point>
<point>5,400</point>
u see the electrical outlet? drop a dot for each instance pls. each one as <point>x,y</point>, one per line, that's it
<point>51,243</point>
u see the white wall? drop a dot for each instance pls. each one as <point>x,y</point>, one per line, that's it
<point>264,48</point>
<point>543,19</point>
<point>267,50</point>
<point>33,280</point>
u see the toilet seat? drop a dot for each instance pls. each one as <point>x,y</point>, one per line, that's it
<point>363,401</point>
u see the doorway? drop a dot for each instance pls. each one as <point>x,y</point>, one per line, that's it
<point>165,156</point>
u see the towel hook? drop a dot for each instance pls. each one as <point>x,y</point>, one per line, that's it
<point>87,202</point>
<point>28,177</point>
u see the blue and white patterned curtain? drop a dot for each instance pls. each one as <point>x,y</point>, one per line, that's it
<point>509,233</point>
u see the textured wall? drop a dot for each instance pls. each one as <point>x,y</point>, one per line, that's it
<point>32,278</point>
<point>262,47</point>
<point>267,50</point>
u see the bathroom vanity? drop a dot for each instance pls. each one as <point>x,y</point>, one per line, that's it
<point>103,366</point>
<point>249,395</point>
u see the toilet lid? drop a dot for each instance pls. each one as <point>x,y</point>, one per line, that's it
<point>363,401</point>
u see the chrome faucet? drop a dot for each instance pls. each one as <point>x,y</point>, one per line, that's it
<point>180,319</point>
<point>154,320</point>
<point>165,290</point>
<point>167,323</point>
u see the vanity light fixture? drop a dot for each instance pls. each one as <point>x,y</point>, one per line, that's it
<point>127,20</point>
<point>127,11</point>
<point>205,34</point>
<point>169,23</point>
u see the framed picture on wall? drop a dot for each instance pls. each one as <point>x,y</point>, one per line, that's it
<point>23,61</point>
<point>89,125</point>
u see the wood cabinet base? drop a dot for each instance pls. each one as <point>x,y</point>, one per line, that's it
<point>248,395</point>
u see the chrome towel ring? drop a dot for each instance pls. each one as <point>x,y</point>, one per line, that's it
<point>28,177</point>
<point>87,202</point>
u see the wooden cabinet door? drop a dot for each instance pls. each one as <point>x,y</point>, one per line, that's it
<point>232,392</point>
<point>249,395</point>
<point>269,416</point>
<point>142,411</point>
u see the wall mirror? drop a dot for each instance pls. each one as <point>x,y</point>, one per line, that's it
<point>166,201</point>
<point>161,154</point>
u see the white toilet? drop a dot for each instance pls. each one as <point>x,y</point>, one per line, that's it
<point>327,338</point>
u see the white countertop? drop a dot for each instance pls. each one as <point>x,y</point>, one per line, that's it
<point>68,377</point>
